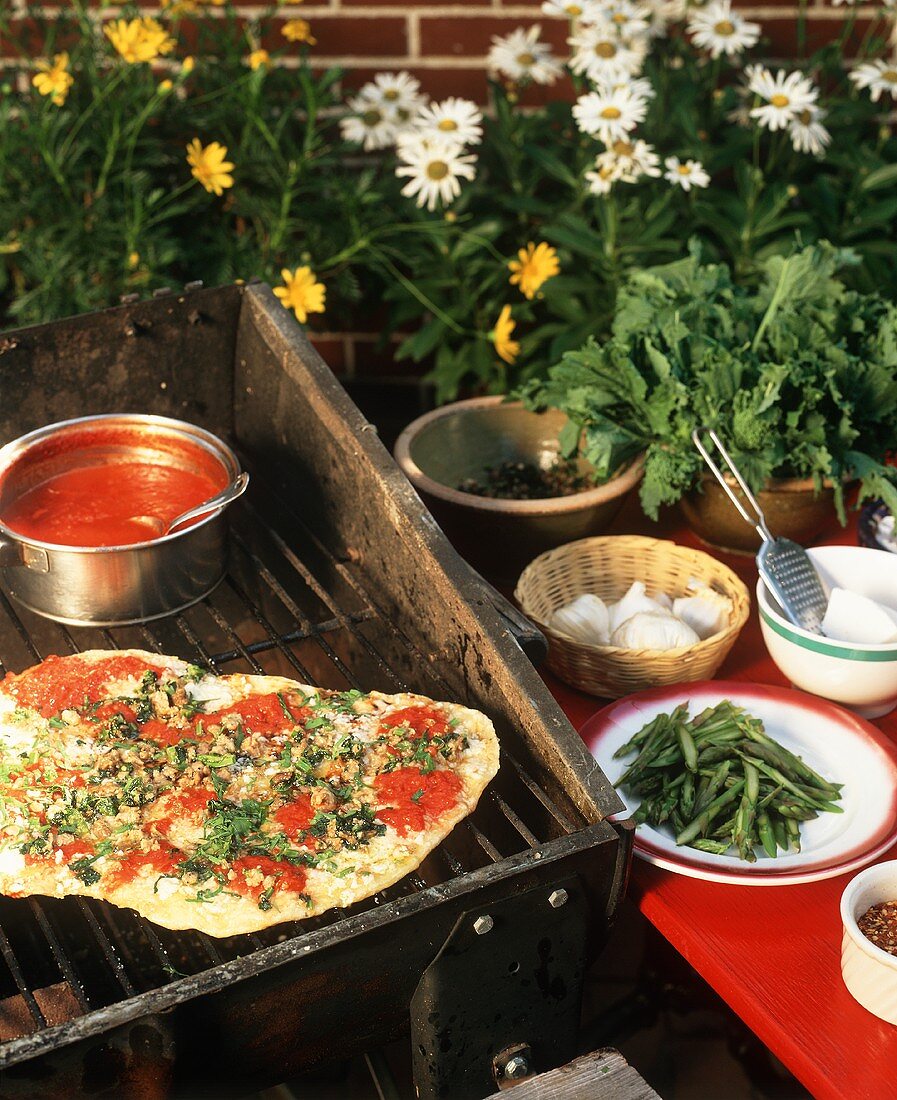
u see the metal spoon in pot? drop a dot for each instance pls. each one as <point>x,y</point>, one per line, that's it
<point>228,494</point>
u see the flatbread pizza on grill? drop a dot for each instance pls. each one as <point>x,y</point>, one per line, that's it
<point>223,803</point>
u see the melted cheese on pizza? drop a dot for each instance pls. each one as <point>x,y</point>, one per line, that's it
<point>225,804</point>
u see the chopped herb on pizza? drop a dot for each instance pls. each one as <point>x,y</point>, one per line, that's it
<point>223,803</point>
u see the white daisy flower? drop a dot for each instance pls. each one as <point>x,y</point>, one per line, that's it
<point>664,12</point>
<point>638,85</point>
<point>572,9</point>
<point>685,175</point>
<point>808,135</point>
<point>878,77</point>
<point>631,159</point>
<point>603,178</point>
<point>521,56</point>
<point>720,30</point>
<point>458,119</point>
<point>370,124</point>
<point>611,113</point>
<point>786,95</point>
<point>434,167</point>
<point>600,53</point>
<point>396,93</point>
<point>630,20</point>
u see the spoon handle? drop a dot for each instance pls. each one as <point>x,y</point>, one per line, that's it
<point>230,493</point>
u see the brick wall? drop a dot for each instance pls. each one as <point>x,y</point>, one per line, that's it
<point>445,46</point>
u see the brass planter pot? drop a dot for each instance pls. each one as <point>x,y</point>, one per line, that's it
<point>791,505</point>
<point>441,449</point>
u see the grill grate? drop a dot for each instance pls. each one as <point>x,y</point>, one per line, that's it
<point>296,612</point>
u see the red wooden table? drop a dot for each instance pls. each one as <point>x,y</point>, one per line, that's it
<point>772,953</point>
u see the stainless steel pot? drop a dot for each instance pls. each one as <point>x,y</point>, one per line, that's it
<point>113,585</point>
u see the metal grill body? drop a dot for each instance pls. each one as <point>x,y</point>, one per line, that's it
<point>338,577</point>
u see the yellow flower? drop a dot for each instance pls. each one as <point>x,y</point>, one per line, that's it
<point>133,260</point>
<point>54,80</point>
<point>301,292</point>
<point>297,30</point>
<point>257,59</point>
<point>507,348</point>
<point>177,8</point>
<point>165,87</point>
<point>187,66</point>
<point>139,39</point>
<point>209,166</point>
<point>535,264</point>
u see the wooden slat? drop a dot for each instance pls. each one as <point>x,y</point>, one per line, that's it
<point>602,1075</point>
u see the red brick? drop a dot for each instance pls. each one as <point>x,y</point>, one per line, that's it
<point>464,36</point>
<point>340,37</point>
<point>781,34</point>
<point>374,361</point>
<point>349,5</point>
<point>28,34</point>
<point>332,351</point>
<point>439,83</point>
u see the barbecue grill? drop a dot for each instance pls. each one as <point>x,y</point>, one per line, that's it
<point>338,577</point>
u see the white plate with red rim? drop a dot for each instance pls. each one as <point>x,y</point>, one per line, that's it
<point>840,746</point>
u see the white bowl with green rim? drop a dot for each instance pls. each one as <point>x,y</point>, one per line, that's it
<point>862,677</point>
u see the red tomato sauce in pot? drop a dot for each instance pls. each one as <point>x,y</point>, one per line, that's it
<point>410,798</point>
<point>95,505</point>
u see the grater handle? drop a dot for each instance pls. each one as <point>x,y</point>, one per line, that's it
<point>758,520</point>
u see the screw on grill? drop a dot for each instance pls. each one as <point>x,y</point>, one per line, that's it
<point>557,898</point>
<point>517,1067</point>
<point>483,924</point>
<point>512,1064</point>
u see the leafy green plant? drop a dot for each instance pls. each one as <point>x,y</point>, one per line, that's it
<point>796,372</point>
<point>98,196</point>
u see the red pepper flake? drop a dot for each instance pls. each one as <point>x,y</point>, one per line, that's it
<point>879,925</point>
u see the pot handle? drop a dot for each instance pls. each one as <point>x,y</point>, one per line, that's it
<point>13,552</point>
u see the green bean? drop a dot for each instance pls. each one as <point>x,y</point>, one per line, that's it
<point>795,761</point>
<point>641,737</point>
<point>715,783</point>
<point>686,741</point>
<point>700,823</point>
<point>766,834</point>
<point>719,780</point>
<point>780,832</point>
<point>717,847</point>
<point>793,829</point>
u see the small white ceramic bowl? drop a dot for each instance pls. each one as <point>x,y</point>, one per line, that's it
<point>862,677</point>
<point>869,973</point>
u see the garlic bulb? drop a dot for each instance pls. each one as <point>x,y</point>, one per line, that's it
<point>653,630</point>
<point>583,620</point>
<point>635,600</point>
<point>706,613</point>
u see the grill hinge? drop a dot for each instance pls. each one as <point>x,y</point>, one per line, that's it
<point>508,979</point>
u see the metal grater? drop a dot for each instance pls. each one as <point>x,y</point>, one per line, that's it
<point>784,566</point>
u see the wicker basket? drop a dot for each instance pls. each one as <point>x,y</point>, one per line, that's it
<point>607,566</point>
